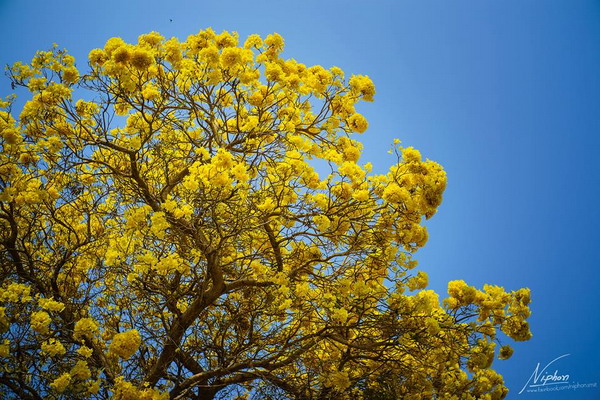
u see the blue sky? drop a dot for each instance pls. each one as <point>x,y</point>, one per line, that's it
<point>504,94</point>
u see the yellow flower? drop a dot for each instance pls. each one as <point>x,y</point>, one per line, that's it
<point>94,387</point>
<point>351,153</point>
<point>97,57</point>
<point>516,328</point>
<point>40,321</point>
<point>86,108</point>
<point>152,39</point>
<point>5,348</point>
<point>274,41</point>
<point>70,75</point>
<point>361,195</point>
<point>85,351</point>
<point>462,292</point>
<point>253,41</point>
<point>273,72</point>
<point>339,380</point>
<point>125,344</point>
<point>505,352</point>
<point>159,224</point>
<point>170,264</point>
<point>53,347</point>
<point>191,183</point>
<point>226,39</point>
<point>81,371</point>
<point>231,56</point>
<point>358,123</point>
<point>410,154</point>
<point>340,315</point>
<point>15,292</point>
<point>240,173</point>
<point>173,50</point>
<point>223,159</point>
<point>395,194</point>
<point>433,327</point>
<point>141,59</point>
<point>112,44</point>
<point>51,304</point>
<point>321,200</point>
<point>125,390</point>
<point>221,179</point>
<point>210,55</point>
<point>122,54</point>
<point>85,328</point>
<point>363,86</point>
<point>418,281</point>
<point>351,170</point>
<point>150,92</point>
<point>303,289</point>
<point>61,383</point>
<point>322,221</point>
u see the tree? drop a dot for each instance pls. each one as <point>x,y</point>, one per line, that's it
<point>196,225</point>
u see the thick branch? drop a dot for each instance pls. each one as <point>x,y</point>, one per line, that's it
<point>173,182</point>
<point>135,174</point>
<point>269,365</point>
<point>183,322</point>
<point>20,388</point>
<point>11,247</point>
<point>275,247</point>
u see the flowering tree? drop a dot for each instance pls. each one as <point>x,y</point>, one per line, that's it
<point>166,235</point>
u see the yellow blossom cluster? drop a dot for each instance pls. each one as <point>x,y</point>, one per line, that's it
<point>125,344</point>
<point>496,307</point>
<point>61,383</point>
<point>40,320</point>
<point>210,193</point>
<point>5,348</point>
<point>85,328</point>
<point>53,347</point>
<point>15,292</point>
<point>51,305</point>
<point>125,390</point>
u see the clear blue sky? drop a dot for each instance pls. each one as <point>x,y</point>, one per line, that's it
<point>504,94</point>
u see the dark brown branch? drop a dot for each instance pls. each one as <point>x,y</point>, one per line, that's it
<point>274,246</point>
<point>183,322</point>
<point>135,174</point>
<point>173,182</point>
<point>20,388</point>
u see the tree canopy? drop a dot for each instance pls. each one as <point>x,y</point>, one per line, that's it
<point>190,220</point>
